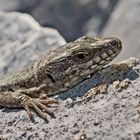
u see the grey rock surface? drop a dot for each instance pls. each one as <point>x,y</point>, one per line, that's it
<point>72,18</point>
<point>22,40</point>
<point>18,5</point>
<point>125,24</point>
<point>108,116</point>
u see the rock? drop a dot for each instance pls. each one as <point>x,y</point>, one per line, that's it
<point>68,103</point>
<point>22,40</point>
<point>18,5</point>
<point>72,18</point>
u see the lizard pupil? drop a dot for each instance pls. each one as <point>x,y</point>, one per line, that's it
<point>81,56</point>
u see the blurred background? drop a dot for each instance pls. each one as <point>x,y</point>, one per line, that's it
<point>75,18</point>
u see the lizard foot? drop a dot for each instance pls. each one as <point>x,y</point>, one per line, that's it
<point>39,105</point>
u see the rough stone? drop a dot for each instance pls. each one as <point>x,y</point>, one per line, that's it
<point>22,40</point>
<point>72,18</point>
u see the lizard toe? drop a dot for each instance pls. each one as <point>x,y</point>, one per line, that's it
<point>37,105</point>
<point>49,101</point>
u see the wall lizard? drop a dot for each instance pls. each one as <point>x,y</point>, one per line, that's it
<point>57,71</point>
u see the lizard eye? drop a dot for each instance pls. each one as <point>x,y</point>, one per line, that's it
<point>82,56</point>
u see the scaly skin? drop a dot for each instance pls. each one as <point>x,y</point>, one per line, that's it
<point>55,72</point>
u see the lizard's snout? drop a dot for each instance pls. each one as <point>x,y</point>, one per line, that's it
<point>114,44</point>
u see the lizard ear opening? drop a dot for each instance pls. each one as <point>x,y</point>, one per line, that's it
<point>51,78</point>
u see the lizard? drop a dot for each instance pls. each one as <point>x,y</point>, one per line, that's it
<point>56,71</point>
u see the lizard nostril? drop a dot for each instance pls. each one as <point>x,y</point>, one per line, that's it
<point>113,43</point>
<point>73,72</point>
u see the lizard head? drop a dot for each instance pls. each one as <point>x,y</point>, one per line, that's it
<point>81,51</point>
<point>85,53</point>
<point>73,62</point>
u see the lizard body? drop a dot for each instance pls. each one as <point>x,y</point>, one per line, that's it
<point>57,71</point>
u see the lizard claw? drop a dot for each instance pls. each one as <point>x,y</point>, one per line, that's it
<point>49,101</point>
<point>44,100</point>
<point>39,105</point>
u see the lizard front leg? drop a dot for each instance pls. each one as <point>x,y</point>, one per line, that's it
<point>24,98</point>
